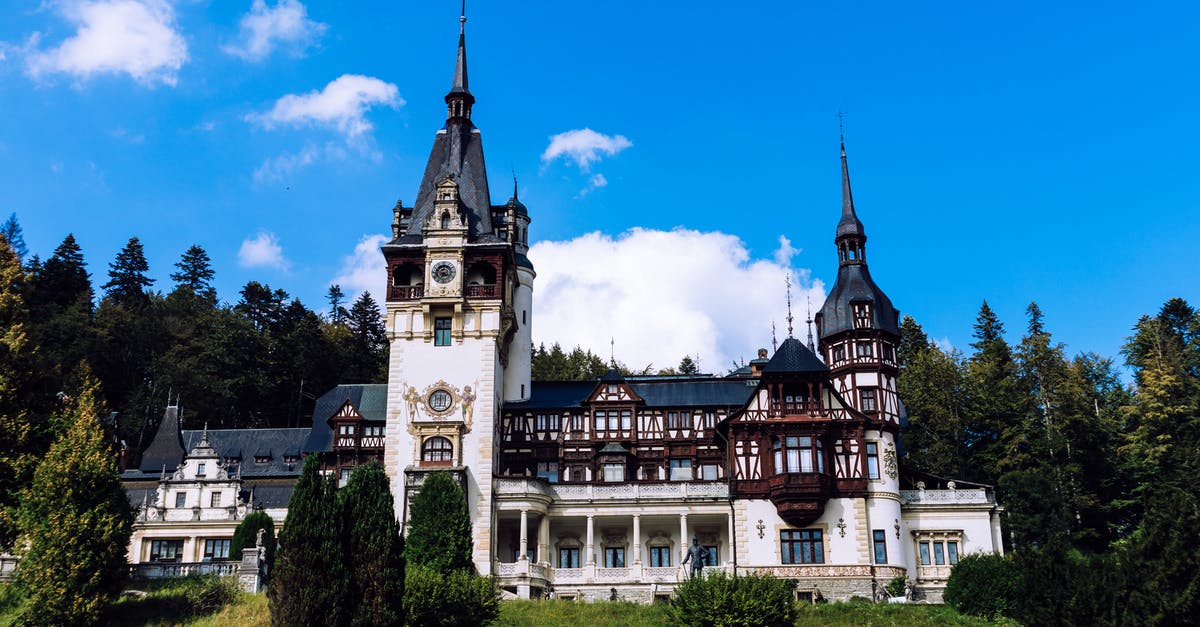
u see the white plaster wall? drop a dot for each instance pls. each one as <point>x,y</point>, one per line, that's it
<point>976,527</point>
<point>517,377</point>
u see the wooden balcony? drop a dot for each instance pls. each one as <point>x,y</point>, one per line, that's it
<point>405,292</point>
<point>483,291</point>
<point>799,497</point>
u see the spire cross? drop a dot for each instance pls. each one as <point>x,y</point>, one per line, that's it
<point>612,351</point>
<point>789,302</point>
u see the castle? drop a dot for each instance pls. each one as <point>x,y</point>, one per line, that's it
<point>789,466</point>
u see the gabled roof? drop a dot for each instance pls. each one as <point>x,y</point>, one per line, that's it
<point>793,357</point>
<point>275,443</point>
<point>667,392</point>
<point>370,399</point>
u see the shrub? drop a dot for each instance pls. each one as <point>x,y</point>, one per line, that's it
<point>457,598</point>
<point>895,587</point>
<point>722,600</point>
<point>246,535</point>
<point>439,529</point>
<point>374,548</point>
<point>984,584</point>
<point>210,594</point>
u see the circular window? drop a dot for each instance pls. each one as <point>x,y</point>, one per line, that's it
<point>439,401</point>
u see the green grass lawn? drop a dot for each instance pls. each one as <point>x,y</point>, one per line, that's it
<point>200,603</point>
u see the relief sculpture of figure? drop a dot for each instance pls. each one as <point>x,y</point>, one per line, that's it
<point>697,555</point>
<point>411,398</point>
<point>468,403</point>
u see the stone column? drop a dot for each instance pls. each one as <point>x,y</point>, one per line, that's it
<point>590,548</point>
<point>732,548</point>
<point>524,535</point>
<point>637,539</point>
<point>544,539</point>
<point>684,542</point>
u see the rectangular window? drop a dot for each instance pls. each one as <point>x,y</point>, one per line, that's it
<point>548,471</point>
<point>600,421</point>
<point>343,477</point>
<point>200,470</point>
<point>924,546</point>
<point>804,546</point>
<point>215,500</point>
<point>626,420</point>
<point>889,353</point>
<point>650,472</point>
<point>614,557</point>
<point>872,460</point>
<point>952,549</point>
<point>806,457</point>
<point>681,470</point>
<point>839,352</point>
<point>674,420</point>
<point>345,429</point>
<point>939,555</point>
<point>216,550</point>
<point>660,556</point>
<point>709,472</point>
<point>712,555</point>
<point>614,472</point>
<point>166,550</point>
<point>372,431</point>
<point>568,558</point>
<point>577,423</point>
<point>880,541</point>
<point>710,420</point>
<point>863,349</point>
<point>862,316</point>
<point>181,499</point>
<point>441,331</point>
<point>868,399</point>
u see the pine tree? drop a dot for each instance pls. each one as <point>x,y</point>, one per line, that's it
<point>195,273</point>
<point>127,280</point>
<point>932,387</point>
<point>77,522</point>
<point>688,366</point>
<point>245,536</point>
<point>912,341</point>
<point>995,401</point>
<point>19,432</point>
<point>308,586</point>
<point>367,352</point>
<point>439,528</point>
<point>336,298</point>
<point>374,548</point>
<point>11,230</point>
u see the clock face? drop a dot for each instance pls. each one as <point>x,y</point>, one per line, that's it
<point>443,271</point>
<point>439,401</point>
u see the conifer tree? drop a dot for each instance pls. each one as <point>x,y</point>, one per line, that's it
<point>336,297</point>
<point>367,353</point>
<point>995,401</point>
<point>308,585</point>
<point>60,305</point>
<point>195,272</point>
<point>439,528</point>
<point>912,341</point>
<point>374,548</point>
<point>11,230</point>
<point>932,387</point>
<point>19,433</point>
<point>245,536</point>
<point>127,280</point>
<point>76,521</point>
<point>688,366</point>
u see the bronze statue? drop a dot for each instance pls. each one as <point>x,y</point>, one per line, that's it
<point>697,555</point>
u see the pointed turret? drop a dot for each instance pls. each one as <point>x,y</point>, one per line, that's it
<point>459,100</point>
<point>851,238</point>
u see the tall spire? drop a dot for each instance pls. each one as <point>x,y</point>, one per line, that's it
<point>851,238</point>
<point>789,303</point>
<point>459,100</point>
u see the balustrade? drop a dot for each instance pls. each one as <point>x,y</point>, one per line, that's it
<point>978,495</point>
<point>481,291</point>
<point>160,570</point>
<point>405,292</point>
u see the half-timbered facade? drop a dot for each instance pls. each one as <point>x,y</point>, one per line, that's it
<point>787,467</point>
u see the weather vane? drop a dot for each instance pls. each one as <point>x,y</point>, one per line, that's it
<point>788,279</point>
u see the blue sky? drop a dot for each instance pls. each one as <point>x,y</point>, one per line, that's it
<point>1010,151</point>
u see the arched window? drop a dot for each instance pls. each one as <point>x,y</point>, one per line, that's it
<point>437,450</point>
<point>446,220</point>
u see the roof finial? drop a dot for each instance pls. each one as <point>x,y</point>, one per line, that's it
<point>788,279</point>
<point>809,321</point>
<point>514,172</point>
<point>204,435</point>
<point>462,18</point>
<point>842,126</point>
<point>774,342</point>
<point>612,351</point>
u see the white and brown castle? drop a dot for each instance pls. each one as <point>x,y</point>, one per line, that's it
<point>789,466</point>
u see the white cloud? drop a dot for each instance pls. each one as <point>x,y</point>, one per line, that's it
<point>342,105</point>
<point>263,28</point>
<point>944,344</point>
<point>279,168</point>
<point>785,252</point>
<point>262,251</point>
<point>584,146</point>
<point>664,294</point>
<point>134,37</point>
<point>596,181</point>
<point>364,270</point>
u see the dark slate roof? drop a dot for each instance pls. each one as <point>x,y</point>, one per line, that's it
<point>268,495</point>
<point>849,224</point>
<point>137,493</point>
<point>670,392</point>
<point>854,284</point>
<point>612,375</point>
<point>167,447</point>
<point>794,357</point>
<point>369,398</point>
<point>275,442</point>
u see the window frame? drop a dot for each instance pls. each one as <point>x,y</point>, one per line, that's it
<point>879,544</point>
<point>432,453</point>
<point>868,398</point>
<point>679,464</point>
<point>572,553</point>
<point>614,557</point>
<point>213,546</point>
<point>660,556</point>
<point>801,546</point>
<point>442,326</point>
<point>872,457</point>
<point>158,544</point>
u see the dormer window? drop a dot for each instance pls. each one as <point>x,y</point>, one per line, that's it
<point>446,216</point>
<point>291,459</point>
<point>862,315</point>
<point>262,459</point>
<point>200,470</point>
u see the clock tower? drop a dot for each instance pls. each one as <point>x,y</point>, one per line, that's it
<point>459,309</point>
